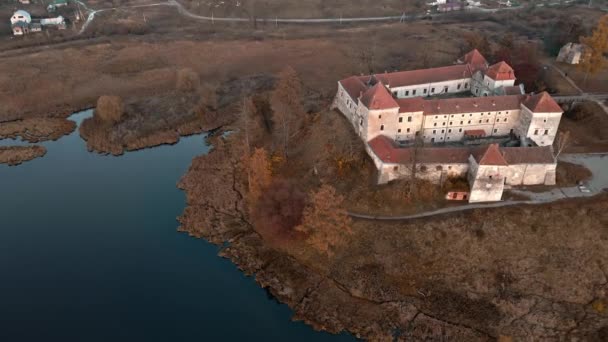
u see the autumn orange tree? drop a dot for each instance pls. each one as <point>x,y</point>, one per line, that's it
<point>325,222</point>
<point>596,46</point>
<point>259,174</point>
<point>286,102</point>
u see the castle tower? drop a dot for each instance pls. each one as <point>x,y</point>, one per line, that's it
<point>539,119</point>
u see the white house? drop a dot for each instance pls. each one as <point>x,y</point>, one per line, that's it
<point>21,15</point>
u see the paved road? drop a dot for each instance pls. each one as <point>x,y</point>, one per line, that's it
<point>596,163</point>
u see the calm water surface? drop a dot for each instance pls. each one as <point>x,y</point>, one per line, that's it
<point>89,252</point>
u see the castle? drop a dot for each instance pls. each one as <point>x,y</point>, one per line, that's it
<point>469,108</point>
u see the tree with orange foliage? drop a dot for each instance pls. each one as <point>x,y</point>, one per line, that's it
<point>596,46</point>
<point>259,174</point>
<point>325,221</point>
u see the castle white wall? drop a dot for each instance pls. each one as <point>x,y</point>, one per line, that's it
<point>543,128</point>
<point>382,122</point>
<point>430,89</point>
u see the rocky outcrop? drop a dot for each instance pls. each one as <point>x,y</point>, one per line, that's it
<point>15,155</point>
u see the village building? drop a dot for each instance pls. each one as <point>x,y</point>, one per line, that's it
<point>22,16</point>
<point>458,106</point>
<point>571,53</point>
<point>52,7</point>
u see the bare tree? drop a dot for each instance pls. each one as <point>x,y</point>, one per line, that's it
<point>561,142</point>
<point>414,157</point>
<point>286,102</point>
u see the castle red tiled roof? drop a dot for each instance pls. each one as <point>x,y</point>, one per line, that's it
<point>423,76</point>
<point>459,105</point>
<point>542,103</point>
<point>476,60</point>
<point>528,155</point>
<point>378,97</point>
<point>500,71</point>
<point>386,149</point>
<point>472,104</point>
<point>491,156</point>
<point>410,105</point>
<point>353,86</point>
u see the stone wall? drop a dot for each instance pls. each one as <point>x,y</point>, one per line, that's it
<point>430,89</point>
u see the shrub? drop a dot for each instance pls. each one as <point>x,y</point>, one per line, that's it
<point>187,80</point>
<point>109,108</point>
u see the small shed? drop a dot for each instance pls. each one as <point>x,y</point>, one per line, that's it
<point>457,196</point>
<point>474,133</point>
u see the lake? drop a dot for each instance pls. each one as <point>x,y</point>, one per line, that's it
<point>89,252</point>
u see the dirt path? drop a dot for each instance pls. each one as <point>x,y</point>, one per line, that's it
<point>598,98</point>
<point>596,163</point>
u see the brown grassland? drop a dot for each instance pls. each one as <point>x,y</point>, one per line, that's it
<point>521,272</point>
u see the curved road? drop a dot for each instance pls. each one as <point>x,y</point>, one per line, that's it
<point>185,12</point>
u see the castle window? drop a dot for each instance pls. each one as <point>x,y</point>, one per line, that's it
<point>445,116</point>
<point>434,131</point>
<point>497,119</point>
<point>436,117</point>
<point>495,130</point>
<point>399,130</point>
<point>414,92</point>
<point>458,86</point>
<point>407,92</point>
<point>395,168</point>
<point>432,90</point>
<point>443,131</point>
<point>463,115</point>
<point>498,112</point>
<point>435,124</point>
<point>400,119</point>
<point>461,122</point>
<point>382,127</point>
<point>443,123</point>
<point>545,120</point>
<point>535,132</point>
<point>505,120</point>
<point>480,121</point>
<point>452,116</point>
<point>546,131</point>
<point>380,116</point>
<point>466,85</point>
<point>395,93</point>
<point>487,120</point>
<point>460,130</point>
<point>408,130</point>
<point>470,114</point>
<point>450,130</point>
<point>409,119</point>
<point>424,90</point>
<point>450,123</point>
<point>445,89</point>
<point>469,122</point>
